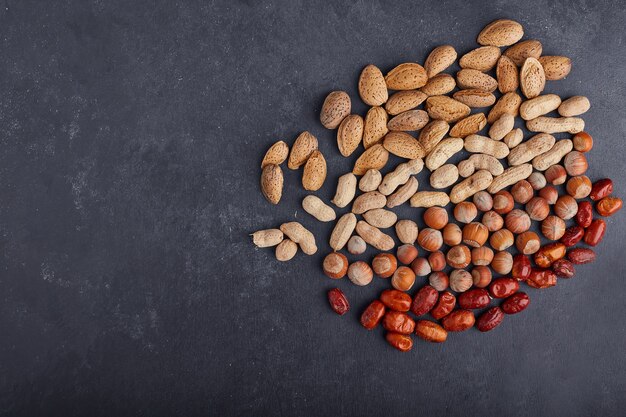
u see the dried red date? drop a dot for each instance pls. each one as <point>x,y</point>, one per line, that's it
<point>600,189</point>
<point>372,314</point>
<point>595,232</point>
<point>458,321</point>
<point>563,268</point>
<point>431,332</point>
<point>503,287</point>
<point>490,319</point>
<point>424,300</point>
<point>338,301</point>
<point>541,278</point>
<point>394,321</point>
<point>608,206</point>
<point>584,216</point>
<point>474,298</point>
<point>521,267</point>
<point>516,303</point>
<point>572,236</point>
<point>396,300</point>
<point>444,306</point>
<point>401,342</point>
<point>581,256</point>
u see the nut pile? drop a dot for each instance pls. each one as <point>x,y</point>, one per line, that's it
<point>479,258</point>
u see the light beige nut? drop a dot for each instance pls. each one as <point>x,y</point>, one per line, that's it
<point>372,86</point>
<point>444,176</point>
<point>555,67</point>
<point>476,80</point>
<point>301,150</point>
<point>380,218</point>
<point>532,78</point>
<point>475,98</point>
<point>374,157</point>
<point>410,120</point>
<point>501,32</point>
<point>406,76</point>
<point>368,201</point>
<point>556,124</point>
<point>286,250</point>
<point>404,100</point>
<point>432,134</point>
<point>276,154</point>
<point>370,181</point>
<point>446,108</point>
<point>301,235</point>
<point>430,199</point>
<point>554,155</point>
<point>510,176</point>
<point>407,231</point>
<point>481,59</point>
<point>501,127</point>
<point>508,103</point>
<point>318,209</point>
<point>539,106</point>
<point>272,183</point>
<point>403,193</point>
<point>507,75</point>
<point>468,187</point>
<point>400,175</point>
<point>403,145</point>
<point>374,237</point>
<point>314,173</point>
<point>346,189</point>
<point>574,106</point>
<point>480,161</point>
<point>336,107</point>
<point>350,134</point>
<point>267,238</point>
<point>374,126</point>
<point>483,144</point>
<point>342,231</point>
<point>439,59</point>
<point>442,152</point>
<point>513,138</point>
<point>525,152</point>
<point>522,50</point>
<point>473,123</point>
<point>438,85</point>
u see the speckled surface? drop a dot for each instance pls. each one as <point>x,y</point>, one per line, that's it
<point>130,139</point>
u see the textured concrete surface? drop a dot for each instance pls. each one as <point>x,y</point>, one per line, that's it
<point>130,139</point>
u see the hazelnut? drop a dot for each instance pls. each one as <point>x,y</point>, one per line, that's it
<point>438,280</point>
<point>537,180</point>
<point>553,227</point>
<point>549,193</point>
<point>522,191</point>
<point>406,230</point>
<point>437,261</point>
<point>335,265</point>
<point>502,262</point>
<point>452,234</point>
<point>403,279</point>
<point>360,273</point>
<point>465,212</point>
<point>406,254</point>
<point>583,142</point>
<point>356,245</point>
<point>527,242</point>
<point>436,217</point>
<point>517,221</point>
<point>493,221</point>
<point>578,187</point>
<point>537,208</point>
<point>483,201</point>
<point>482,256</point>
<point>475,234</point>
<point>501,239</point>
<point>556,175</point>
<point>384,265</point>
<point>566,207</point>
<point>459,256</point>
<point>481,275</point>
<point>575,163</point>
<point>430,239</point>
<point>421,267</point>
<point>503,202</point>
<point>461,280</point>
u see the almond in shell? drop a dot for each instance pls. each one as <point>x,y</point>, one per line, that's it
<point>272,183</point>
<point>469,125</point>
<point>501,32</point>
<point>276,154</point>
<point>526,49</point>
<point>508,103</point>
<point>407,76</point>
<point>302,148</point>
<point>446,108</point>
<point>438,85</point>
<point>439,59</point>
<point>476,80</point>
<point>375,126</point>
<point>410,120</point>
<point>374,157</point>
<point>336,107</point>
<point>432,134</point>
<point>532,78</point>
<point>507,75</point>
<point>403,145</point>
<point>350,134</point>
<point>372,87</point>
<point>314,172</point>
<point>555,67</point>
<point>475,98</point>
<point>404,100</point>
<point>481,59</point>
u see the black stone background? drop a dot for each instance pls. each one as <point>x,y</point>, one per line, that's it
<point>130,138</point>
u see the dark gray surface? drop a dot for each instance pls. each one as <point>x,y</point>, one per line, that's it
<point>130,139</point>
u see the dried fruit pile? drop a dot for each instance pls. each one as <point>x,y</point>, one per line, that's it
<point>507,182</point>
